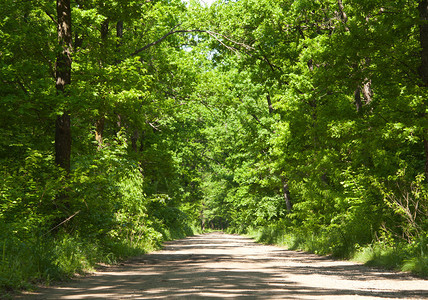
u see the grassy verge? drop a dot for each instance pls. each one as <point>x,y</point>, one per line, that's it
<point>405,257</point>
<point>27,263</point>
<point>401,257</point>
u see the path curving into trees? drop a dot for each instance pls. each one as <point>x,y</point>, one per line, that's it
<point>218,265</point>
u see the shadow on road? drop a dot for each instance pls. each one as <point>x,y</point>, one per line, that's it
<point>217,266</point>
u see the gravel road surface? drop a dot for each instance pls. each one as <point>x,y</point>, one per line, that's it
<point>219,266</point>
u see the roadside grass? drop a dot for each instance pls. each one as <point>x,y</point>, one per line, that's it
<point>27,263</point>
<point>179,232</point>
<point>400,257</point>
<point>404,257</point>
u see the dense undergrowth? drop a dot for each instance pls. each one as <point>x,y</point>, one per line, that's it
<point>53,226</point>
<point>45,259</point>
<point>399,256</point>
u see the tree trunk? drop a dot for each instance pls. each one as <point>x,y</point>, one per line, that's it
<point>99,124</point>
<point>426,154</point>
<point>134,140</point>
<point>423,68</point>
<point>119,30</point>
<point>342,14</point>
<point>119,35</point>
<point>63,78</point>
<point>285,190</point>
<point>357,99</point>
<point>269,101</point>
<point>99,129</point>
<point>202,217</point>
<point>423,31</point>
<point>365,90</point>
<point>286,193</point>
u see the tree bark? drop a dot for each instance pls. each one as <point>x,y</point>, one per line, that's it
<point>365,91</point>
<point>423,32</point>
<point>99,124</point>
<point>342,14</point>
<point>104,30</point>
<point>269,101</point>
<point>357,99</point>
<point>99,129</point>
<point>63,78</point>
<point>134,140</point>
<point>286,193</point>
<point>426,154</point>
<point>119,29</point>
<point>63,141</point>
<point>423,68</point>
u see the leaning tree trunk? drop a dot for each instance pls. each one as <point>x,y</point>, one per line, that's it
<point>423,68</point>
<point>63,78</point>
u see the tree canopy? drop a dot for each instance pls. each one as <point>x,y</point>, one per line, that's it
<point>124,123</point>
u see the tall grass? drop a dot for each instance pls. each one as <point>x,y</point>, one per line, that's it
<point>397,256</point>
<point>24,264</point>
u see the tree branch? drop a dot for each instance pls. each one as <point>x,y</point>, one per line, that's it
<point>66,220</point>
<point>215,35</point>
<point>155,42</point>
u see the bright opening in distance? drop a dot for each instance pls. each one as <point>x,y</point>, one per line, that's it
<point>206,2</point>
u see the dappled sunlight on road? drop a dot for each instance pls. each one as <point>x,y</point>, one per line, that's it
<point>217,266</point>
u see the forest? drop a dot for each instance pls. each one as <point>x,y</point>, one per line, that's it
<point>125,123</point>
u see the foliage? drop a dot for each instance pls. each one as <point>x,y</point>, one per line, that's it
<point>54,224</point>
<point>304,118</point>
<point>321,105</point>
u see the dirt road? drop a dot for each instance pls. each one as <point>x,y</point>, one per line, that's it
<point>217,266</point>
